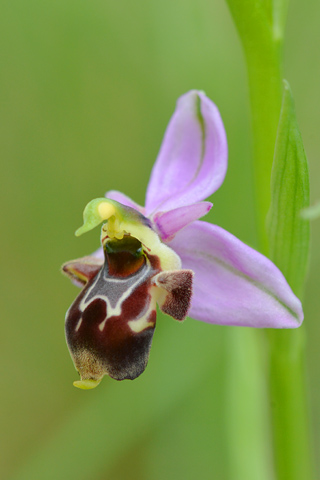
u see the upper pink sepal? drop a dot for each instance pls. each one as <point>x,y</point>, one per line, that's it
<point>192,161</point>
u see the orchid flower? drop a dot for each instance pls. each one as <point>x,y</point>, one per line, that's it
<point>163,254</point>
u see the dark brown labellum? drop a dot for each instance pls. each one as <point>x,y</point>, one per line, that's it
<point>109,327</point>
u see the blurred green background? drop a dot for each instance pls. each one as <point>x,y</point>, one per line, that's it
<point>87,89</point>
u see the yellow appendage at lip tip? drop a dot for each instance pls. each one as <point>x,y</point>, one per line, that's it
<point>86,384</point>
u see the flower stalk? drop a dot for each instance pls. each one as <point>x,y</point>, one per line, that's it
<point>261,29</point>
<point>265,95</point>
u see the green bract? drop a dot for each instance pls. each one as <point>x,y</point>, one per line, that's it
<point>288,231</point>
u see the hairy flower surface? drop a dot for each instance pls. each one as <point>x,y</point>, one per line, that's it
<point>163,254</point>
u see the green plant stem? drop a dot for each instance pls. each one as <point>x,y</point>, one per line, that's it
<point>292,452</point>
<point>261,37</point>
<point>262,42</point>
<point>247,418</point>
<point>265,94</point>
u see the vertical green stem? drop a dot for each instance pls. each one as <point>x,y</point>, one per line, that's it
<point>247,419</point>
<point>262,44</point>
<point>292,452</point>
<point>264,75</point>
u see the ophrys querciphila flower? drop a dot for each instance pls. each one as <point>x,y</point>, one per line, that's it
<point>154,254</point>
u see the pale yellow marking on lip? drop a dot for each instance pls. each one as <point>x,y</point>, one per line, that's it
<point>138,326</point>
<point>102,325</point>
<point>78,324</point>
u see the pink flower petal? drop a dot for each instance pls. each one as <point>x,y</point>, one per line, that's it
<point>169,223</point>
<point>192,161</point>
<point>234,284</point>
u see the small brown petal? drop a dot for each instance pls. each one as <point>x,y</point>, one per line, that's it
<point>81,270</point>
<point>177,287</point>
